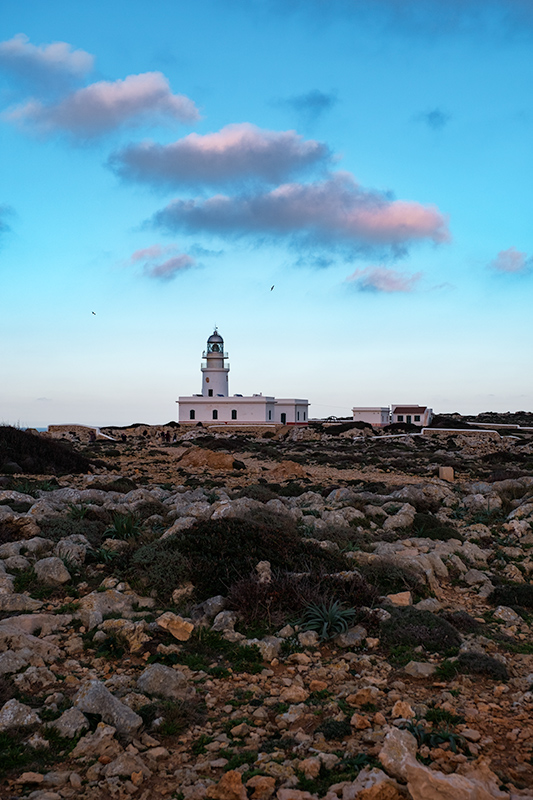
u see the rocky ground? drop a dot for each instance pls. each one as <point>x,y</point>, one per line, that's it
<point>287,614</point>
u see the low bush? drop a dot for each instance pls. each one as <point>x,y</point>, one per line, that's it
<point>389,577</point>
<point>412,627</point>
<point>57,528</point>
<point>427,526</point>
<point>38,455</point>
<point>335,729</point>
<point>171,717</point>
<point>473,663</point>
<point>159,566</point>
<point>513,594</point>
<point>462,621</point>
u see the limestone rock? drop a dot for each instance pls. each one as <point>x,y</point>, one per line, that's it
<point>420,669</point>
<point>352,638</point>
<point>51,571</point>
<point>198,457</point>
<point>100,743</point>
<point>287,470</point>
<point>18,602</point>
<point>13,662</point>
<point>373,784</point>
<point>293,694</point>
<point>17,715</point>
<point>224,621</point>
<point>72,548</point>
<point>398,751</point>
<point>133,633</point>
<point>263,786</point>
<point>229,787</point>
<point>35,679</point>
<point>404,518</point>
<point>70,723</point>
<point>180,628</point>
<point>400,599</point>
<point>158,679</point>
<point>124,765</point>
<point>94,698</point>
<point>95,605</point>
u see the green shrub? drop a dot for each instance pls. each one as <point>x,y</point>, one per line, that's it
<point>173,716</point>
<point>482,664</point>
<point>513,594</point>
<point>427,526</point>
<point>39,455</point>
<point>59,527</point>
<point>334,729</point>
<point>389,577</point>
<point>159,565</point>
<point>412,627</point>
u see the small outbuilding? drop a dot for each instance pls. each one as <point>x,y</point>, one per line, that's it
<point>377,416</point>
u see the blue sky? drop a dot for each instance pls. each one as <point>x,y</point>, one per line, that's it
<point>164,164</point>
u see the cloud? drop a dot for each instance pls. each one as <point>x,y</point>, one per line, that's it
<point>45,68</point>
<point>310,106</point>
<point>512,261</point>
<point>154,267</point>
<point>435,119</point>
<point>235,153</point>
<point>102,107</point>
<point>383,279</point>
<point>435,18</point>
<point>335,211</point>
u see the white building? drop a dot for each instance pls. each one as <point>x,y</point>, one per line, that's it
<point>373,415</point>
<point>215,405</point>
<point>413,415</point>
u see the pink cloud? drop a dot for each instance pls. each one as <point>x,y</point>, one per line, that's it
<point>235,152</point>
<point>511,260</point>
<point>47,66</point>
<point>154,267</point>
<point>336,210</point>
<point>105,106</point>
<point>149,253</point>
<point>170,268</point>
<point>382,279</point>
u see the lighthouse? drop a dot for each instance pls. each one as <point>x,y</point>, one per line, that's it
<point>216,406</point>
<point>215,382</point>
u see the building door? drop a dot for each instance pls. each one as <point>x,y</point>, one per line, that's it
<point>408,419</point>
<point>283,419</point>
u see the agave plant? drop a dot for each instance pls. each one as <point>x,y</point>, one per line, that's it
<point>125,526</point>
<point>327,620</point>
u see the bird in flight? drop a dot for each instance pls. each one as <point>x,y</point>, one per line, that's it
<point>272,287</point>
<point>94,312</point>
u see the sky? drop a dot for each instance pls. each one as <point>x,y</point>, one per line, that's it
<point>165,164</point>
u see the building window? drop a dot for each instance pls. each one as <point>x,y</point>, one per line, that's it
<point>400,417</point>
<point>417,417</point>
<point>298,415</point>
<point>192,414</point>
<point>270,414</point>
<point>234,413</point>
<point>215,414</point>
<point>304,416</point>
<point>210,393</point>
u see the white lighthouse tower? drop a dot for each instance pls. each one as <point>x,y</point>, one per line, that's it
<point>215,382</point>
<point>216,406</point>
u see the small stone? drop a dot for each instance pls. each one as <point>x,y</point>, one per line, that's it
<point>310,767</point>
<point>359,722</point>
<point>263,786</point>
<point>400,599</point>
<point>165,681</point>
<point>446,474</point>
<point>178,627</point>
<point>402,710</point>
<point>308,638</point>
<point>31,777</point>
<point>420,669</point>
<point>294,694</point>
<point>70,723</point>
<point>229,787</point>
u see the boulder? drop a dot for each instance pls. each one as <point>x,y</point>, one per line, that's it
<point>72,548</point>
<point>94,698</point>
<point>165,682</point>
<point>95,605</point>
<point>70,723</point>
<point>18,602</point>
<point>51,571</point>
<point>100,743</point>
<point>17,715</point>
<point>124,765</point>
<point>352,638</point>
<point>132,633</point>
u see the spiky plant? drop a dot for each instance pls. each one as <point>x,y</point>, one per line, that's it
<point>125,526</point>
<point>327,620</point>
